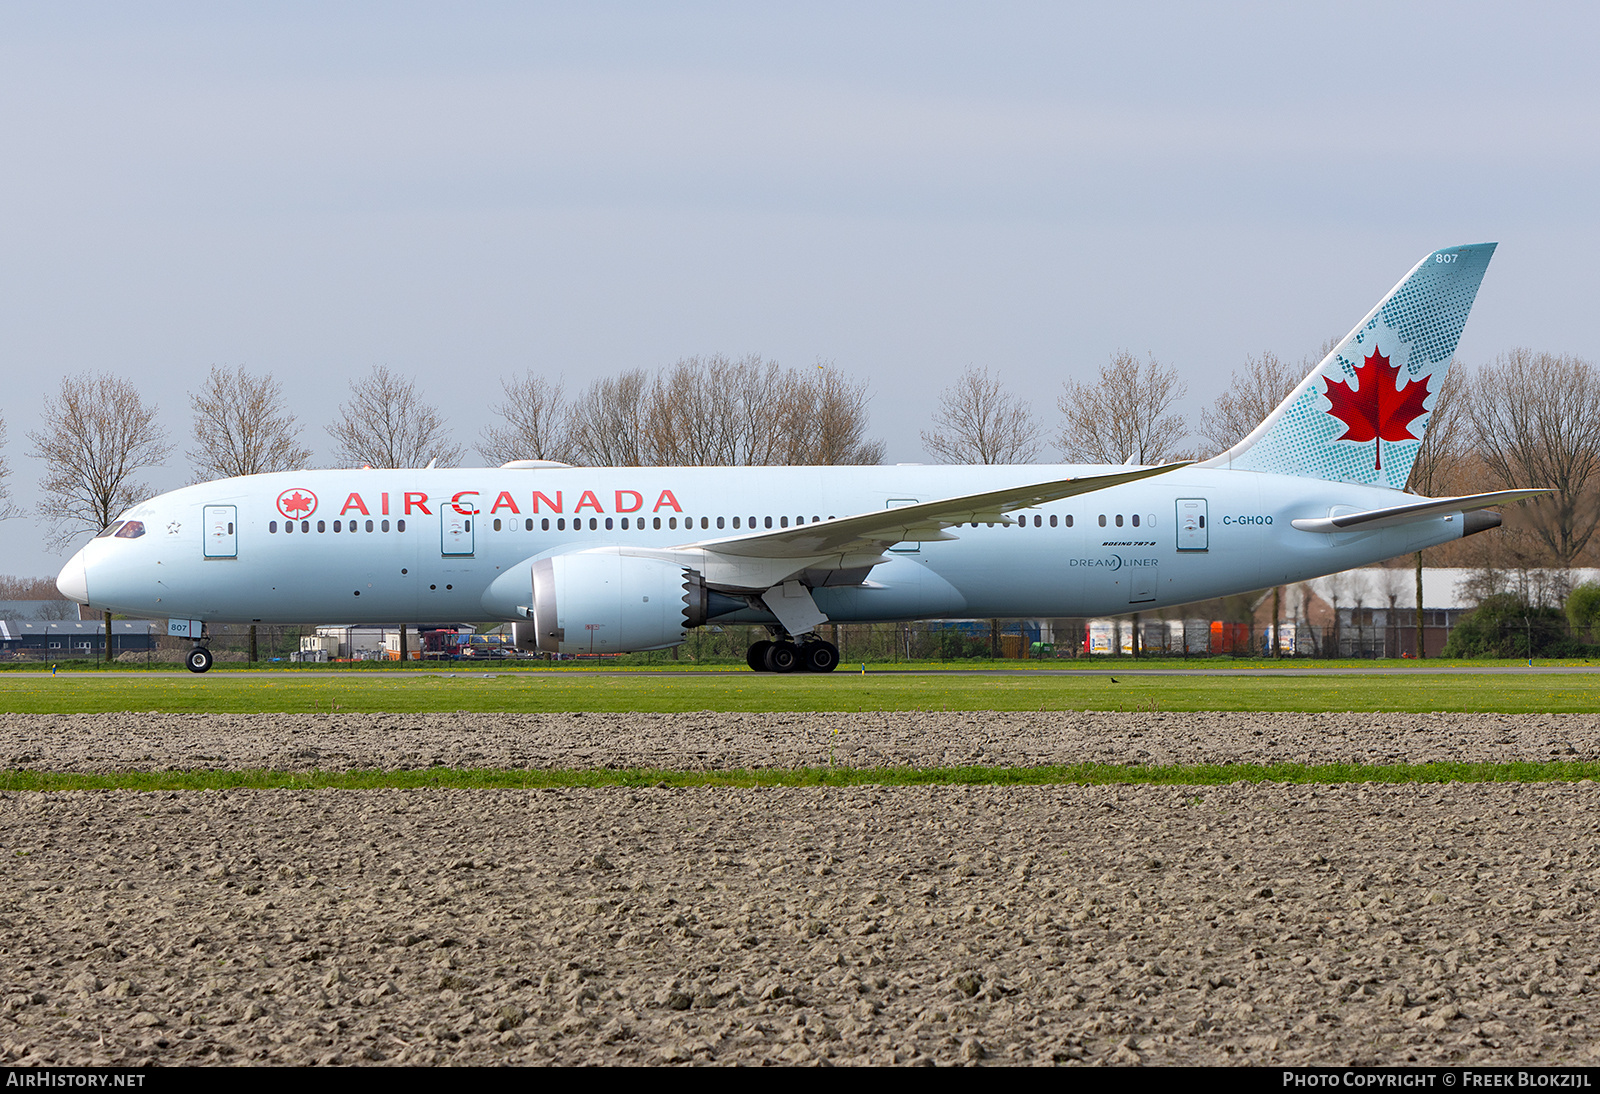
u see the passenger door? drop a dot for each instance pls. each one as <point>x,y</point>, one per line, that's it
<point>221,524</point>
<point>1192,533</point>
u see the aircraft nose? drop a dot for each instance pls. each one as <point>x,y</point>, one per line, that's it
<point>73,580</point>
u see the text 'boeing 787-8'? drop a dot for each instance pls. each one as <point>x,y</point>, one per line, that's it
<point>616,559</point>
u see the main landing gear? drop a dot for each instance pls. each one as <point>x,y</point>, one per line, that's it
<point>811,655</point>
<point>199,659</point>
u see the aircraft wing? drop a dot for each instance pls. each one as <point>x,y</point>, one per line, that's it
<point>1373,519</point>
<point>882,528</point>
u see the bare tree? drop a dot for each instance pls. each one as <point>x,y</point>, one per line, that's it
<point>828,423</point>
<point>1123,414</point>
<point>1536,422</point>
<point>980,422</point>
<point>717,412</point>
<point>606,424</point>
<point>702,412</point>
<point>99,436</point>
<point>7,508</point>
<point>1444,446</point>
<point>242,428</point>
<point>1439,457</point>
<point>385,424</point>
<point>28,588</point>
<point>536,426</point>
<point>1253,392</point>
<point>761,407</point>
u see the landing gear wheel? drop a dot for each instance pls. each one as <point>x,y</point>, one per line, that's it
<point>783,657</point>
<point>819,656</point>
<point>199,659</point>
<point>756,656</point>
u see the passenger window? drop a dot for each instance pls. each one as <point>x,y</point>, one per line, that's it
<point>561,524</point>
<point>1136,520</point>
<point>769,522</point>
<point>719,522</point>
<point>1069,520</point>
<point>497,524</point>
<point>322,526</point>
<point>1052,520</point>
<point>608,524</point>
<point>1119,520</point>
<point>272,526</point>
<point>369,526</point>
<point>656,522</point>
<point>338,526</point>
<point>783,522</point>
<point>544,524</point>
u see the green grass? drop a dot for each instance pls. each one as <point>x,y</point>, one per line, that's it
<point>485,692</point>
<point>657,663</point>
<point>1075,775</point>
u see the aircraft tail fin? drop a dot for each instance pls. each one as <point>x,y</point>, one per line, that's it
<point>1360,415</point>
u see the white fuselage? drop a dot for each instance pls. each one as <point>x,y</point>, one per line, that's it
<point>422,546</point>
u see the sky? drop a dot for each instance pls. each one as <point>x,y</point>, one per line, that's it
<point>467,192</point>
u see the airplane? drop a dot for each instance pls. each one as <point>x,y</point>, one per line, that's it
<point>589,560</point>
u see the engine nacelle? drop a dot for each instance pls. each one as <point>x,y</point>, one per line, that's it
<point>599,601</point>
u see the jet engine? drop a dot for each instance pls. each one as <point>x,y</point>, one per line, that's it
<point>602,601</point>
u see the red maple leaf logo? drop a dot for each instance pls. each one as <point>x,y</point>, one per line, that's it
<point>296,503</point>
<point>1379,410</point>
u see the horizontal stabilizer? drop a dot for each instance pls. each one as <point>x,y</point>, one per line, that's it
<point>1373,519</point>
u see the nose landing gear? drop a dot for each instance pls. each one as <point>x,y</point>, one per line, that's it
<point>199,659</point>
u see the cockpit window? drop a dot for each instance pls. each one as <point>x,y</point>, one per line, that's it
<point>133,529</point>
<point>110,529</point>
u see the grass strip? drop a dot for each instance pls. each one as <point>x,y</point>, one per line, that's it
<point>1504,692</point>
<point>657,664</point>
<point>1086,774</point>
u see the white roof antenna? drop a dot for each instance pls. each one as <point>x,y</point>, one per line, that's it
<point>431,463</point>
